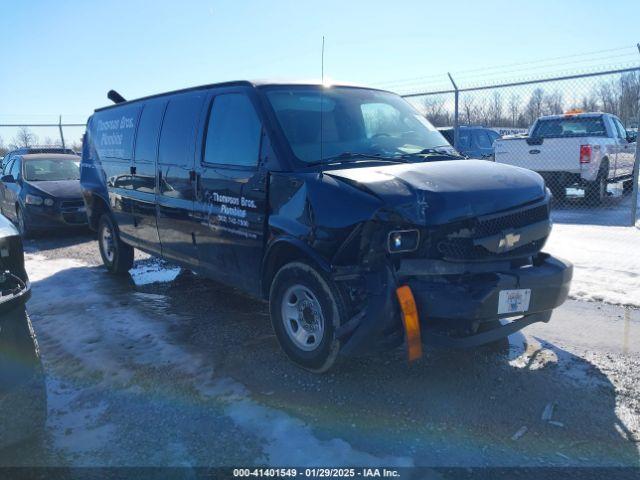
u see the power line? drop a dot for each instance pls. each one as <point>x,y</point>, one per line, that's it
<point>503,66</point>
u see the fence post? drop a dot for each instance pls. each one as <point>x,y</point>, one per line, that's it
<point>634,195</point>
<point>60,128</point>
<point>456,123</point>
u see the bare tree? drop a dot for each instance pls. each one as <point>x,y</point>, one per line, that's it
<point>51,142</point>
<point>494,111</point>
<point>534,106</point>
<point>553,103</point>
<point>3,148</point>
<point>514,107</point>
<point>25,138</point>
<point>436,112</point>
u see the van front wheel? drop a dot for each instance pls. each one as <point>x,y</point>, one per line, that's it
<point>306,310</point>
<point>116,255</point>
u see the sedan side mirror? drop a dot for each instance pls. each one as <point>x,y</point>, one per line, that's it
<point>631,138</point>
<point>7,179</point>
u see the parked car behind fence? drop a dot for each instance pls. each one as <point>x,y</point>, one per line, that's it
<point>473,141</point>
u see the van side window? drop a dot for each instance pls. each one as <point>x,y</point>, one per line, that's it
<point>15,169</point>
<point>7,167</point>
<point>233,132</point>
<point>148,132</point>
<point>179,131</point>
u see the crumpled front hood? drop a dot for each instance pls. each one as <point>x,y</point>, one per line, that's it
<point>59,189</point>
<point>433,193</point>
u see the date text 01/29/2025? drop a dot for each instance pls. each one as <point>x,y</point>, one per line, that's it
<point>316,472</point>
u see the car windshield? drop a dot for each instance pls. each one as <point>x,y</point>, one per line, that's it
<point>51,169</point>
<point>322,123</point>
<point>570,127</point>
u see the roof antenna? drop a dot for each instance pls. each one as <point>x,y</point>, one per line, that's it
<point>321,99</point>
<point>115,97</point>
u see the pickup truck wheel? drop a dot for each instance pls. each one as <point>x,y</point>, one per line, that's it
<point>306,310</point>
<point>596,191</point>
<point>116,255</point>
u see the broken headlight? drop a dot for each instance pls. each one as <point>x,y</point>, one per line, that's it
<point>403,241</point>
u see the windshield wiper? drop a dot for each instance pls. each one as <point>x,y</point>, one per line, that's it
<point>433,152</point>
<point>353,157</point>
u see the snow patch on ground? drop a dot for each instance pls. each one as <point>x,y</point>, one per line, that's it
<point>153,272</point>
<point>290,441</point>
<point>606,261</point>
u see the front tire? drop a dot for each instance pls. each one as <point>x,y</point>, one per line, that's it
<point>23,224</point>
<point>116,255</point>
<point>306,310</point>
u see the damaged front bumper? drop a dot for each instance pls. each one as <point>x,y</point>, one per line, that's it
<point>14,291</point>
<point>455,301</point>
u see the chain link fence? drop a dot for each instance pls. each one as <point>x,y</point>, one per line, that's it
<point>17,131</point>
<point>588,160</point>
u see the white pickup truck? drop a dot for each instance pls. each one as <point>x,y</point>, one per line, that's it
<point>588,150</point>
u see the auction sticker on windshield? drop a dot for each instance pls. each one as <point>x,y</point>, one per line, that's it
<point>514,301</point>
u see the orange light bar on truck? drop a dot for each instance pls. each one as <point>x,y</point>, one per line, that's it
<point>411,322</point>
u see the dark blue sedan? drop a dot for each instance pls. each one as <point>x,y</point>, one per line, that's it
<point>41,192</point>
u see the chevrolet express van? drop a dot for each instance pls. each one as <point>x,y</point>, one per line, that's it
<point>342,206</point>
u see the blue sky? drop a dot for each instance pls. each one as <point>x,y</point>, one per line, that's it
<point>61,57</point>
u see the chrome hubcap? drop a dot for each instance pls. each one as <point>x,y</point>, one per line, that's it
<point>107,243</point>
<point>302,317</point>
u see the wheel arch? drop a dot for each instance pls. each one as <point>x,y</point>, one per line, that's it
<point>285,250</point>
<point>97,206</point>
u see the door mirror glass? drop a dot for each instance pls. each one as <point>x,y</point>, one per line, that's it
<point>8,179</point>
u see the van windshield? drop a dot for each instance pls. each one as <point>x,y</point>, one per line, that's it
<point>51,169</point>
<point>352,120</point>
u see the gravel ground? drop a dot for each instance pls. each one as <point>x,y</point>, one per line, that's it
<point>188,372</point>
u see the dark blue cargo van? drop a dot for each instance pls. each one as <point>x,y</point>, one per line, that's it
<point>339,205</point>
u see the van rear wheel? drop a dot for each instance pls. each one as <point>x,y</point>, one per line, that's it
<point>116,255</point>
<point>306,310</point>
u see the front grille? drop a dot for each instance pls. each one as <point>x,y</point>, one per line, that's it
<point>456,242</point>
<point>72,204</point>
<point>464,249</point>
<point>493,225</point>
<point>75,218</point>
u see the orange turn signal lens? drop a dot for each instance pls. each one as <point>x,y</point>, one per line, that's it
<point>411,322</point>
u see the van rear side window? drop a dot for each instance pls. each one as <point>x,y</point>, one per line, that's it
<point>148,132</point>
<point>179,131</point>
<point>233,133</point>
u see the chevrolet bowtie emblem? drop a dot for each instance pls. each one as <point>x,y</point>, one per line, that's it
<point>509,241</point>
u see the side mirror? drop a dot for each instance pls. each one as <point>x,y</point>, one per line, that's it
<point>631,138</point>
<point>7,179</point>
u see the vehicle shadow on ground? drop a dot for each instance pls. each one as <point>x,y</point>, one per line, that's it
<point>22,398</point>
<point>473,408</point>
<point>44,241</point>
